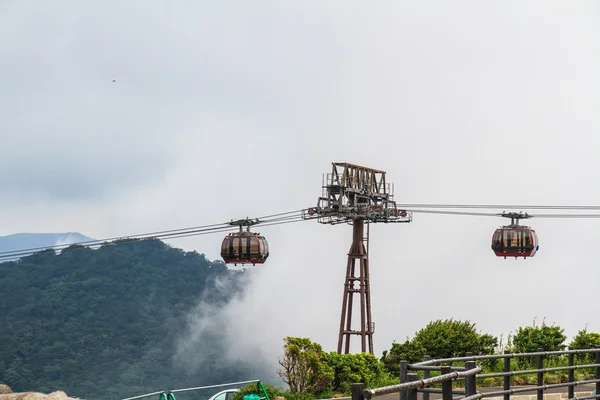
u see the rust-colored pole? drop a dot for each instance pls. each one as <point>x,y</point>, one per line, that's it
<point>357,252</point>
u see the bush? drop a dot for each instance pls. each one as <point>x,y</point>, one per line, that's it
<point>534,337</point>
<point>586,340</point>
<point>272,391</point>
<point>450,338</point>
<point>304,366</point>
<point>408,351</point>
<point>352,368</point>
<point>531,338</point>
<point>441,339</point>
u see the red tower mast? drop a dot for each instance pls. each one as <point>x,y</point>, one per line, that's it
<point>360,196</point>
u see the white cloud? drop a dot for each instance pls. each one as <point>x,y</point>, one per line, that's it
<point>221,112</point>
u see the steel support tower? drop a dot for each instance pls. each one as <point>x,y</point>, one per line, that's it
<point>358,196</point>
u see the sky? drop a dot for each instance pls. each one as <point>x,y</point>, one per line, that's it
<point>120,118</point>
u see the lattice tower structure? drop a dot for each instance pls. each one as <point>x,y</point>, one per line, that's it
<point>358,196</point>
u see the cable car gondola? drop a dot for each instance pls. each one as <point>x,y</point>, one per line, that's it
<point>244,247</point>
<point>515,240</point>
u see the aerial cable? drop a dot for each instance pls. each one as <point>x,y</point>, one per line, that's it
<point>100,241</point>
<point>216,227</point>
<point>300,215</point>
<point>478,214</point>
<point>91,244</point>
<point>565,215</point>
<point>16,256</point>
<point>156,234</point>
<point>500,206</point>
<point>484,214</point>
<point>268,220</point>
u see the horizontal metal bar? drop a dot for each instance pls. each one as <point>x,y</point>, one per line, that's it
<point>143,395</point>
<point>533,371</point>
<point>479,395</point>
<point>543,387</point>
<point>510,355</point>
<point>417,367</point>
<point>194,388</point>
<point>585,397</point>
<point>214,386</point>
<point>431,390</point>
<point>419,384</point>
<point>350,397</point>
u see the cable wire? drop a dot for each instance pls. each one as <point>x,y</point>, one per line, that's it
<point>268,220</point>
<point>501,206</point>
<point>300,215</point>
<point>484,214</point>
<point>478,214</point>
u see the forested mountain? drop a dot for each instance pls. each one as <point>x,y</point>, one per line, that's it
<point>101,324</point>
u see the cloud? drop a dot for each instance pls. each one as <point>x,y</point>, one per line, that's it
<point>223,112</point>
<point>216,345</point>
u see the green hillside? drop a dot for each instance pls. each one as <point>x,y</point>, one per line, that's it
<point>101,324</point>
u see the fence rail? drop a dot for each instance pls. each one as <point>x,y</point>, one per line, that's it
<point>192,388</point>
<point>410,384</point>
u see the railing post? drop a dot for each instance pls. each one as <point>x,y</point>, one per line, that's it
<point>446,385</point>
<point>506,377</point>
<point>540,375</point>
<point>598,372</point>
<point>357,391</point>
<point>470,381</point>
<point>403,376</point>
<point>426,375</point>
<point>571,389</point>
<point>412,393</point>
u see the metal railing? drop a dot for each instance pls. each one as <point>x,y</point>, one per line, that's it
<point>410,383</point>
<point>141,396</point>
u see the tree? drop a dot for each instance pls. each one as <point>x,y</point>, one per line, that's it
<point>408,351</point>
<point>586,340</point>
<point>351,368</point>
<point>534,337</point>
<point>304,366</point>
<point>102,323</point>
<point>450,338</point>
<point>529,339</point>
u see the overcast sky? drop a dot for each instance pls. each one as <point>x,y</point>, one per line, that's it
<point>223,110</point>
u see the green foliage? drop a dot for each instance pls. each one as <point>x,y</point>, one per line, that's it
<point>440,339</point>
<point>586,340</point>
<point>534,337</point>
<point>410,351</point>
<point>308,369</point>
<point>352,368</point>
<point>531,338</point>
<point>305,367</point>
<point>101,323</point>
<point>273,393</point>
<point>453,338</point>
<point>251,388</point>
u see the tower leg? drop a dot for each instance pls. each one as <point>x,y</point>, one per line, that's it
<point>357,253</point>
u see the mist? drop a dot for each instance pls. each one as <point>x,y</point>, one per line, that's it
<point>223,339</point>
